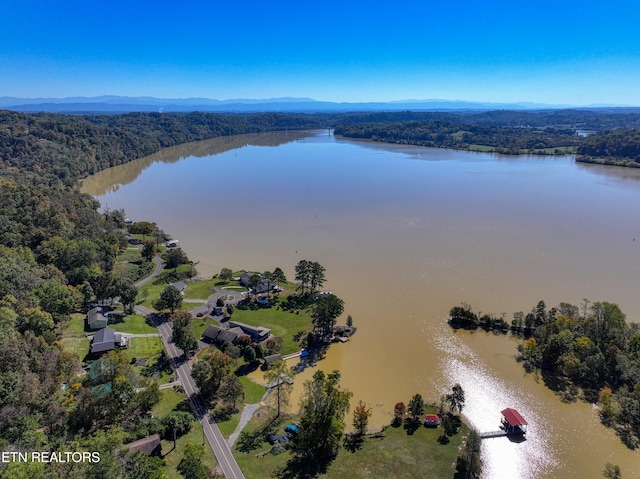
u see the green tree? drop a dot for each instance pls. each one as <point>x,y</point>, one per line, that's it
<point>231,390</point>
<point>176,257</point>
<point>171,298</point>
<point>254,281</point>
<point>279,277</point>
<point>361,415</point>
<point>190,466</point>
<point>176,424</point>
<point>326,311</point>
<point>469,462</point>
<point>415,408</point>
<point>149,250</point>
<point>143,228</point>
<point>280,394</point>
<point>128,296</point>
<point>456,398</point>
<point>323,407</point>
<point>140,465</point>
<point>349,320</point>
<point>316,276</point>
<point>182,333</point>
<point>225,275</point>
<point>303,274</point>
<point>209,371</point>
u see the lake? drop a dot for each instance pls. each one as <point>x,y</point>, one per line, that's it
<point>405,233</point>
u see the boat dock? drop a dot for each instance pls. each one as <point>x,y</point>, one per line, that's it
<point>498,433</point>
<point>513,424</point>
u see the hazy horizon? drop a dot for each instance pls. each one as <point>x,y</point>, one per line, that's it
<point>549,52</point>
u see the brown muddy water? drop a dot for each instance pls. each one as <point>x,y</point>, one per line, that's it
<point>405,233</point>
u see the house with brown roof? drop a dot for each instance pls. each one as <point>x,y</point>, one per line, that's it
<point>150,444</point>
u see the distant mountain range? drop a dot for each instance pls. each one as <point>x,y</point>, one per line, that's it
<point>123,104</point>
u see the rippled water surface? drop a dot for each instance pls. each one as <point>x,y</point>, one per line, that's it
<point>405,233</point>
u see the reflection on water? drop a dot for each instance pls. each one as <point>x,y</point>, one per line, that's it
<point>111,180</point>
<point>405,233</point>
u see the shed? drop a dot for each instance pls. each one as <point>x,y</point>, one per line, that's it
<point>150,444</point>
<point>432,420</point>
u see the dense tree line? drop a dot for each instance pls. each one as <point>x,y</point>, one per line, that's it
<point>57,253</point>
<point>448,134</point>
<point>591,348</point>
<point>620,147</point>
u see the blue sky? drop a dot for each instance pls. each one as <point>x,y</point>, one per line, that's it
<point>560,52</point>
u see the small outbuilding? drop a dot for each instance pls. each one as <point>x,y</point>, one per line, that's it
<point>150,444</point>
<point>432,420</point>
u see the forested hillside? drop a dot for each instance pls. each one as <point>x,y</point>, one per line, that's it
<point>57,254</point>
<point>447,134</point>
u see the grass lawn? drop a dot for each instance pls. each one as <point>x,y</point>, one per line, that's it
<point>77,346</point>
<point>169,399</point>
<point>227,427</point>
<point>74,328</point>
<point>252,392</point>
<point>397,455</point>
<point>199,289</point>
<point>172,457</point>
<point>144,347</point>
<point>483,148</point>
<point>134,324</point>
<point>281,323</point>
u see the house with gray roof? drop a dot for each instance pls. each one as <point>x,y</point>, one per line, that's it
<point>96,318</point>
<point>106,340</point>
<point>256,333</point>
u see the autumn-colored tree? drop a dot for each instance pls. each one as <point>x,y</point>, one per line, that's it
<point>361,415</point>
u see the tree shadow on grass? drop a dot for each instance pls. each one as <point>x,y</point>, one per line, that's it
<point>353,442</point>
<point>299,468</point>
<point>411,425</point>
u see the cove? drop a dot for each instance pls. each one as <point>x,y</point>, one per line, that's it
<point>404,234</point>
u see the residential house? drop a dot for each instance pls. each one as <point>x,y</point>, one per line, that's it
<point>256,333</point>
<point>219,336</point>
<point>262,287</point>
<point>106,340</point>
<point>96,318</point>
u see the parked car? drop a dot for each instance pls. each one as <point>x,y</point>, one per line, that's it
<point>271,438</point>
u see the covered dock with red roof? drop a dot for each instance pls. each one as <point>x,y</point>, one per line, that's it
<point>513,421</point>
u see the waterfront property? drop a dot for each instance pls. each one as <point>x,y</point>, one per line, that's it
<point>257,333</point>
<point>262,287</point>
<point>512,424</point>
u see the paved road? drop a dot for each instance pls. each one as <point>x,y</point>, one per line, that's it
<point>219,446</point>
<point>156,271</point>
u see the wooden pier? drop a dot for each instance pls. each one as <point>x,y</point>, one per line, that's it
<point>513,424</point>
<point>500,433</point>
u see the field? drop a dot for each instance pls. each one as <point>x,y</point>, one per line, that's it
<point>397,454</point>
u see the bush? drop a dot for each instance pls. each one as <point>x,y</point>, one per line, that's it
<point>277,449</point>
